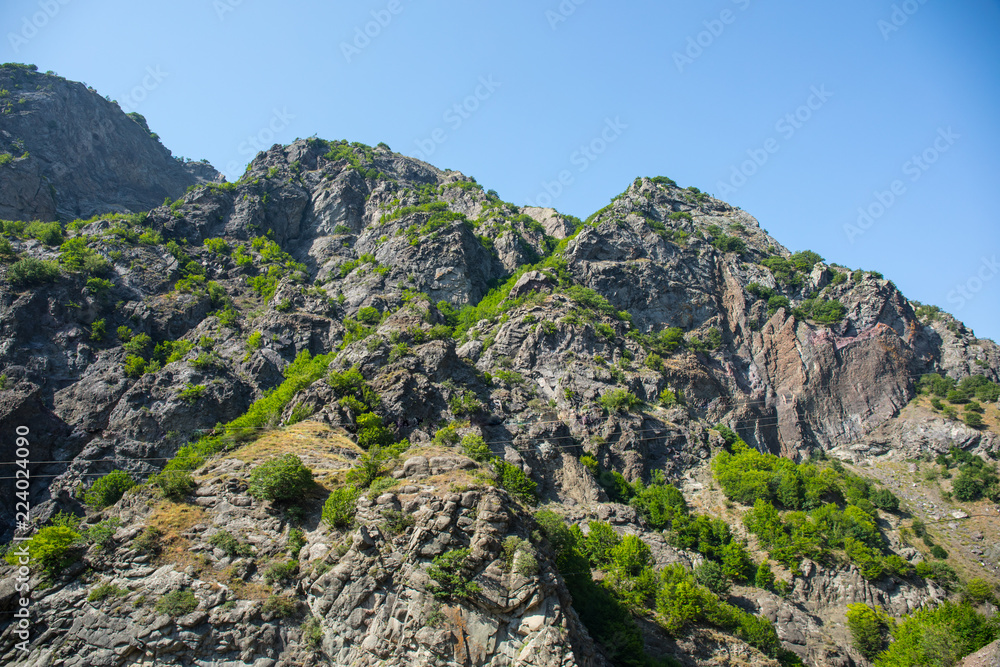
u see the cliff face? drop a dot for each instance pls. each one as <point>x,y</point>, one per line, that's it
<point>190,314</point>
<point>73,154</point>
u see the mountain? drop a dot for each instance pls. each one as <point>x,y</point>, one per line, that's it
<point>67,153</point>
<point>354,409</point>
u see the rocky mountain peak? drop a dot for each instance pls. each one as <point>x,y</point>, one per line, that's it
<point>69,153</point>
<point>354,409</point>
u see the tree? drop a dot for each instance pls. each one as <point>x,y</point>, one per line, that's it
<point>282,478</point>
<point>712,576</point>
<point>107,490</point>
<point>631,555</point>
<point>869,628</point>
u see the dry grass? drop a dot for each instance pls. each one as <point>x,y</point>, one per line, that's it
<point>328,452</point>
<point>173,520</point>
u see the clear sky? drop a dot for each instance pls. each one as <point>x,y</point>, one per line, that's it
<point>799,112</point>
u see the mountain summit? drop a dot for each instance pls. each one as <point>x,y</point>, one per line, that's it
<point>356,410</point>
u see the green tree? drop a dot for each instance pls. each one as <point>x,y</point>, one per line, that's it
<point>107,490</point>
<point>712,576</point>
<point>280,479</point>
<point>869,628</point>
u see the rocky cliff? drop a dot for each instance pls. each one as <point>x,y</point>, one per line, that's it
<point>68,153</point>
<point>497,348</point>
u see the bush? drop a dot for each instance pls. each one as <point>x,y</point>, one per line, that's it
<point>451,573</point>
<point>104,590</point>
<point>177,603</point>
<point>107,490</point>
<point>281,572</point>
<point>619,400</point>
<point>938,636</point>
<point>191,393</point>
<point>973,419</point>
<point>135,366</point>
<point>30,271</point>
<point>601,538</point>
<point>397,521</point>
<point>369,315</point>
<point>631,556</point>
<point>280,606</point>
<point>711,575</point>
<point>938,552</point>
<point>52,548</point>
<point>514,480</point>
<point>978,591</point>
<point>174,484</point>
<point>668,398</point>
<point>282,478</point>
<point>341,506</point>
<point>233,548</point>
<point>869,629</point>
<point>476,448</point>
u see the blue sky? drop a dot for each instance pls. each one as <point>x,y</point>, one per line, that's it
<point>799,112</point>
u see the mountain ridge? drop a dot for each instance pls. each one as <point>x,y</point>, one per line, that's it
<point>342,300</point>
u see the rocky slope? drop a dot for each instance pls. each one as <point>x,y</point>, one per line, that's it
<point>69,153</point>
<point>515,325</point>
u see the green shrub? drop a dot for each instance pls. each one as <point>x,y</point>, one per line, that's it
<point>149,540</point>
<point>938,552</point>
<point>451,573</point>
<point>135,366</point>
<point>29,271</point>
<point>177,603</point>
<point>371,465</point>
<point>668,398</point>
<point>280,606</point>
<point>631,555</point>
<point>49,233</point>
<point>52,548</point>
<point>281,572</point>
<point>938,636</point>
<point>175,485</point>
<point>312,632</point>
<point>341,506</point>
<point>218,246</point>
<point>233,548</point>
<point>619,400</point>
<point>104,590</point>
<point>446,436</point>
<point>107,490</point>
<point>978,591</point>
<point>712,576</point>
<point>476,448</point>
<point>191,393</point>
<point>282,478</point>
<point>397,521</point>
<point>869,629</point>
<point>514,480</point>
<point>254,341</point>
<point>98,330</point>
<point>369,315</point>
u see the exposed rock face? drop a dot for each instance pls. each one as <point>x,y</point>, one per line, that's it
<point>372,594</point>
<point>665,296</point>
<point>76,155</point>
